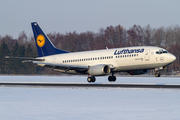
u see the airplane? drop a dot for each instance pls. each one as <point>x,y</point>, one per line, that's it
<point>133,60</point>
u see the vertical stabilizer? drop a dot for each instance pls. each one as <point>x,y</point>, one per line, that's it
<point>44,46</point>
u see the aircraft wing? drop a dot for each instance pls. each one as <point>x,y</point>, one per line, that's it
<point>52,66</point>
<point>77,68</point>
<point>62,65</point>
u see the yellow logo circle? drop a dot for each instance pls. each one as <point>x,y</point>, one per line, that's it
<point>40,40</point>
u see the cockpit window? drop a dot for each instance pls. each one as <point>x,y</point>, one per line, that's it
<point>161,52</point>
<point>157,52</point>
<point>165,52</point>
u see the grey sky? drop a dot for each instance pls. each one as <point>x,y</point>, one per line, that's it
<point>85,15</point>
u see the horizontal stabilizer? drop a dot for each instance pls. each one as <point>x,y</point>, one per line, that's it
<point>24,58</point>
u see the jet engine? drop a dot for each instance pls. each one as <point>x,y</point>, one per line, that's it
<point>137,72</point>
<point>99,70</point>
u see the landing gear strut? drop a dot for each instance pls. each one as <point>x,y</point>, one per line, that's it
<point>157,70</point>
<point>112,78</point>
<point>91,79</point>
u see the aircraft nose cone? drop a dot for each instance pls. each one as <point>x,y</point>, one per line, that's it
<point>171,58</point>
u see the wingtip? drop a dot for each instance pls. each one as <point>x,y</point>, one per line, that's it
<point>6,57</point>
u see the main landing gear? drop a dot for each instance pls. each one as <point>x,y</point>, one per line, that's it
<point>112,78</point>
<point>91,79</point>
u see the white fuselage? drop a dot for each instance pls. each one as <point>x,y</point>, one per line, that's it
<point>121,59</point>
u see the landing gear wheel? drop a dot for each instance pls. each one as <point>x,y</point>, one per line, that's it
<point>112,78</point>
<point>157,74</point>
<point>91,79</point>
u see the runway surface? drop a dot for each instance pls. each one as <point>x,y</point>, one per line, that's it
<point>72,97</point>
<point>90,85</point>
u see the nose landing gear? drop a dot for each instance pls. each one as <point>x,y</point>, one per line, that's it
<point>158,74</point>
<point>157,70</point>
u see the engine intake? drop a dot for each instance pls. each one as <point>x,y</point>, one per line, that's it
<point>99,70</point>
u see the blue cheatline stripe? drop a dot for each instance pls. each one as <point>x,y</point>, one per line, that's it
<point>43,44</point>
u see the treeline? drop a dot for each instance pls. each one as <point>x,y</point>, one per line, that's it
<point>111,37</point>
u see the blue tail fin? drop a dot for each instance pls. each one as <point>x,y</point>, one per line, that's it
<point>44,45</point>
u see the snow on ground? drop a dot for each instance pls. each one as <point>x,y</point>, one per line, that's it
<point>19,103</point>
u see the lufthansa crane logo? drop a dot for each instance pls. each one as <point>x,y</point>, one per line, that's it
<point>162,59</point>
<point>40,40</point>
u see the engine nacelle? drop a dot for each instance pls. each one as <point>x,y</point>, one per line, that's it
<point>137,72</point>
<point>99,70</point>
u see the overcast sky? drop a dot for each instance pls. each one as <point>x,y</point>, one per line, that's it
<point>85,15</point>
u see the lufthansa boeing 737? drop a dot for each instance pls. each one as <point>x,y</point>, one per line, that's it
<point>133,60</point>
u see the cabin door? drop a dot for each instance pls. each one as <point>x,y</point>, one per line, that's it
<point>147,55</point>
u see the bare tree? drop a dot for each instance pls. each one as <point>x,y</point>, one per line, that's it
<point>147,35</point>
<point>158,37</point>
<point>22,39</point>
